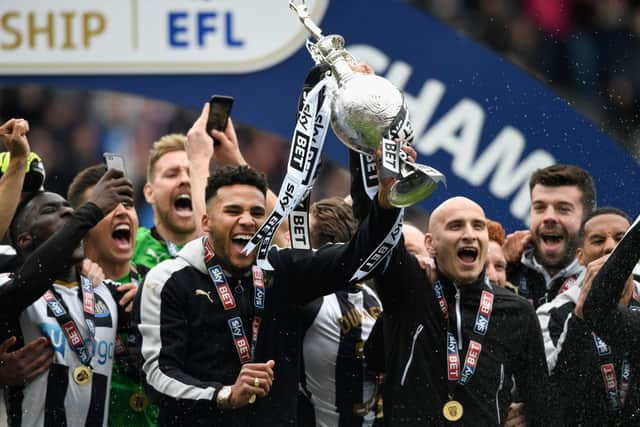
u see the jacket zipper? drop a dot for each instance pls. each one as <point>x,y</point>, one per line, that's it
<point>498,392</point>
<point>458,316</point>
<point>413,348</point>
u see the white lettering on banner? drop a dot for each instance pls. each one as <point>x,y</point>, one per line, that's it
<point>149,36</point>
<point>459,132</point>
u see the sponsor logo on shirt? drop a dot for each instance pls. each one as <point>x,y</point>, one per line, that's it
<point>102,350</point>
<point>103,314</point>
<point>204,293</point>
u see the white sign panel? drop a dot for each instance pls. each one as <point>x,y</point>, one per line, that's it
<point>148,36</point>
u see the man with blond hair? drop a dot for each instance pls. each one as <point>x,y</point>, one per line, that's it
<point>168,191</point>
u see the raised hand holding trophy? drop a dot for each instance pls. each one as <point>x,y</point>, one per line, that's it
<point>366,113</point>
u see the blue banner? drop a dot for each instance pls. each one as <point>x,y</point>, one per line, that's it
<point>480,120</point>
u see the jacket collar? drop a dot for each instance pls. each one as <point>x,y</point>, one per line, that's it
<point>529,260</point>
<point>475,288</point>
<point>193,253</point>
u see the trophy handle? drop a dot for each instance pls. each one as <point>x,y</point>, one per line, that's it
<point>417,183</point>
<point>303,14</point>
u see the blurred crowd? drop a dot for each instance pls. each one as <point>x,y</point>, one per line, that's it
<point>72,128</point>
<point>587,50</point>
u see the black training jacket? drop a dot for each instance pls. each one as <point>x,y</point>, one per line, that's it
<point>578,385</point>
<point>415,334</point>
<point>615,324</point>
<point>186,342</point>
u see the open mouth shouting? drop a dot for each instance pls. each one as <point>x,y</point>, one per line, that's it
<point>552,241</point>
<point>122,236</point>
<point>468,255</point>
<point>182,205</point>
<point>239,241</point>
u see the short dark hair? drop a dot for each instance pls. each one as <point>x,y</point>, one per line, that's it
<point>18,223</point>
<point>607,210</point>
<point>86,178</point>
<point>232,175</point>
<point>335,222</point>
<point>559,175</point>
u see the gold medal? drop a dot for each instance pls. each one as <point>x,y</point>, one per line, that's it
<point>452,410</point>
<point>138,401</point>
<point>82,375</point>
<point>252,399</point>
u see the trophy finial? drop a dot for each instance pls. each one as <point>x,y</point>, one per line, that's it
<point>303,15</point>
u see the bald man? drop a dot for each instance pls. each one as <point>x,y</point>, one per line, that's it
<point>455,342</point>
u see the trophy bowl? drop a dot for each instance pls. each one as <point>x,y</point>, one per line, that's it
<point>363,110</point>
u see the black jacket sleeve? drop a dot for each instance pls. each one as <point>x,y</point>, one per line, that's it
<point>359,198</point>
<point>309,275</point>
<point>398,285</point>
<point>615,324</point>
<point>532,375</point>
<point>41,268</point>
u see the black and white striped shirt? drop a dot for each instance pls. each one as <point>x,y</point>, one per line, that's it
<point>53,398</point>
<point>336,378</point>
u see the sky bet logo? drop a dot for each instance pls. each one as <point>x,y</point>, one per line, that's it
<point>216,275</point>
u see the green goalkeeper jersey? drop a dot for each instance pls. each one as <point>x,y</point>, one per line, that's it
<point>151,249</point>
<point>129,404</point>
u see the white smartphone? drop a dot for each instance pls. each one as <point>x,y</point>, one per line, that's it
<point>115,161</point>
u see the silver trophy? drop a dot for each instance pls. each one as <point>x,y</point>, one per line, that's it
<point>366,109</point>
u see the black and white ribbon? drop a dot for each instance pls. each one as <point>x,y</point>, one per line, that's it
<point>304,157</point>
<point>382,251</point>
<point>401,131</point>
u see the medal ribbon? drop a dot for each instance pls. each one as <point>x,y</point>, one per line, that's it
<point>69,327</point>
<point>382,251</point>
<point>480,328</point>
<point>122,355</point>
<point>615,396</point>
<point>246,351</point>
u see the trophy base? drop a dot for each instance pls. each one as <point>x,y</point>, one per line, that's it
<point>412,189</point>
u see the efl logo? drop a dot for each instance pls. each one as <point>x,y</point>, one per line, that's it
<point>149,36</point>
